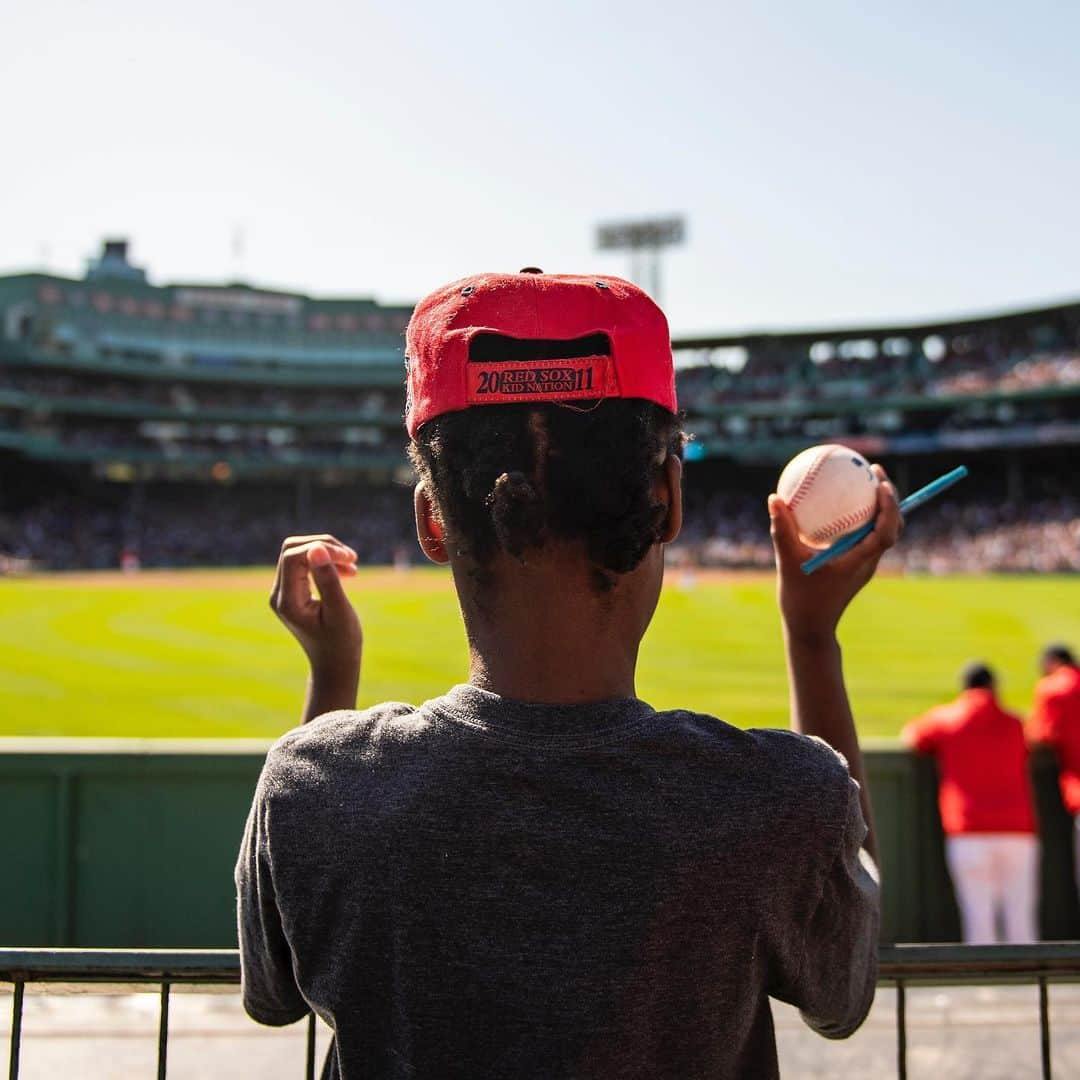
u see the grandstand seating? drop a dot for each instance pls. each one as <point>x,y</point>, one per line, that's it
<point>125,394</point>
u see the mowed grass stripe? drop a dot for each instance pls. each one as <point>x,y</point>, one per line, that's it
<point>200,654</point>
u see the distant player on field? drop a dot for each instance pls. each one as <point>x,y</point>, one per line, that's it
<point>986,810</point>
<point>1055,722</point>
<point>538,874</point>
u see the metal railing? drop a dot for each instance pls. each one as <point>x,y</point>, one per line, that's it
<point>132,968</point>
<point>904,966</point>
<point>901,966</point>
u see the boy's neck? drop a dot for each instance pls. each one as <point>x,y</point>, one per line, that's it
<point>523,679</point>
<point>542,632</point>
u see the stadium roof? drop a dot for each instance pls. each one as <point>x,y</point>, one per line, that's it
<point>1015,319</point>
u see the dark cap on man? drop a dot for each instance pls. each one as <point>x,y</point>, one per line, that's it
<point>977,676</point>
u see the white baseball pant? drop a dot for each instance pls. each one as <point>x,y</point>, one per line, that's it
<point>995,874</point>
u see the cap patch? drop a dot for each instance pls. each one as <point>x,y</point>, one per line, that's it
<point>540,380</point>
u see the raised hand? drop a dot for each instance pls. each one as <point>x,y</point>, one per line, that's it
<point>811,604</point>
<point>326,625</point>
<point>810,607</point>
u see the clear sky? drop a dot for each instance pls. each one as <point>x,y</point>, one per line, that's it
<point>837,162</point>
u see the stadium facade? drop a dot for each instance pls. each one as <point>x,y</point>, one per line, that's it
<point>994,383</point>
<point>137,381</point>
<point>118,393</point>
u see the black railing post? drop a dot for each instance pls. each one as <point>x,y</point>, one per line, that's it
<point>1044,1027</point>
<point>311,1047</point>
<point>163,1033</point>
<point>16,1032</point>
<point>901,1030</point>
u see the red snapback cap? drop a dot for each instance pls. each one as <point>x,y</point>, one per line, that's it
<point>533,305</point>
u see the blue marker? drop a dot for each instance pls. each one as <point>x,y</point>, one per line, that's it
<point>912,502</point>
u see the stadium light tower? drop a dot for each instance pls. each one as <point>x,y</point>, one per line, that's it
<point>644,240</point>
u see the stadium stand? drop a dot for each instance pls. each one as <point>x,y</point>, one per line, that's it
<point>196,424</point>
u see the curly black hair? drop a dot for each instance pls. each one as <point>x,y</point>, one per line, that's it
<point>510,476</point>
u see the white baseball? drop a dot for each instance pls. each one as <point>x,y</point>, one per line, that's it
<point>831,491</point>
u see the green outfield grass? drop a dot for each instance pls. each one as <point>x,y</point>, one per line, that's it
<point>200,653</point>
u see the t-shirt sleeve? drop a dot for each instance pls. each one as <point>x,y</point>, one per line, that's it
<point>268,986</point>
<point>923,735</point>
<point>836,974</point>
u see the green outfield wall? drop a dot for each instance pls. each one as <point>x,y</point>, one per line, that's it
<point>131,843</point>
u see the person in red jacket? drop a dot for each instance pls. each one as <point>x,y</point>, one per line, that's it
<point>986,809</point>
<point>1055,722</point>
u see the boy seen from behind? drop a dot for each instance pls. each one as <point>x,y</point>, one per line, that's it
<point>537,874</point>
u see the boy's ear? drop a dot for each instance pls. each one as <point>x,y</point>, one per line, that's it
<point>429,532</point>
<point>670,493</point>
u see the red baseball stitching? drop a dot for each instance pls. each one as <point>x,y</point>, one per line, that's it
<point>804,484</point>
<point>842,524</point>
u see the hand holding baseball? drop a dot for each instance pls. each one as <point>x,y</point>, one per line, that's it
<point>327,627</point>
<point>811,605</point>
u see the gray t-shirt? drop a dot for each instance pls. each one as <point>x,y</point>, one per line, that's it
<point>485,888</point>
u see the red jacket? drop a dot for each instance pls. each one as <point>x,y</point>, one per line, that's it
<point>1055,720</point>
<point>982,761</point>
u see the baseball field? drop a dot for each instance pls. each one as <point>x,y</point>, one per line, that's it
<point>200,654</point>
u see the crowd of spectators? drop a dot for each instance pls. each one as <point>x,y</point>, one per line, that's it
<point>196,440</point>
<point>272,423</point>
<point>198,526</point>
<point>1034,373</point>
<point>981,536</point>
<point>954,375</point>
<point>183,526</point>
<point>190,398</point>
<point>1021,537</point>
<point>764,378</point>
